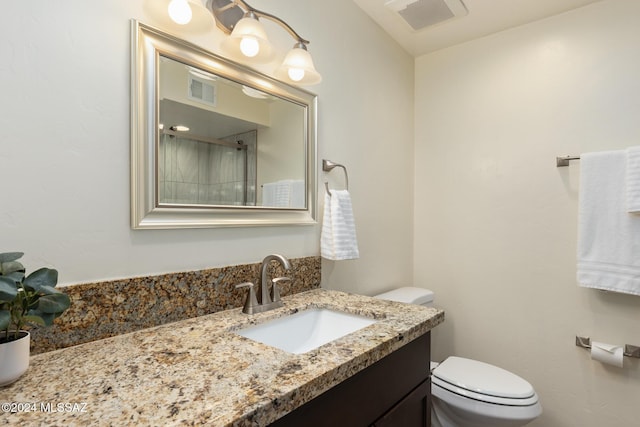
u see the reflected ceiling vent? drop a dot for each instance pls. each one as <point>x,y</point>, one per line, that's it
<point>421,14</point>
<point>202,90</point>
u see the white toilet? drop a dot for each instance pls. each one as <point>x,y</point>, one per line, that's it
<point>469,393</point>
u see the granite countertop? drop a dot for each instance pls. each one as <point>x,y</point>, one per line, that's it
<point>198,372</point>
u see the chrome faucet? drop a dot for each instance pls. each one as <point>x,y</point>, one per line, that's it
<point>264,283</point>
<point>268,302</point>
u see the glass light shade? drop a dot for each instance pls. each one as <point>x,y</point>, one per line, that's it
<point>180,11</point>
<point>201,19</point>
<point>298,67</point>
<point>248,40</point>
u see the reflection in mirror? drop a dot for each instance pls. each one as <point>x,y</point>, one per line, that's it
<point>224,143</point>
<point>215,143</point>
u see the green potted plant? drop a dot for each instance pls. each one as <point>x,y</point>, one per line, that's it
<point>25,301</point>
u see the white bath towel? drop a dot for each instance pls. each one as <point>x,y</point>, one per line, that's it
<point>633,179</point>
<point>608,236</point>
<point>338,237</point>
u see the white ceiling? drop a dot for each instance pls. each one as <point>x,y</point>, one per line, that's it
<point>484,17</point>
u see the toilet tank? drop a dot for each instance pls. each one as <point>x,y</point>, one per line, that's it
<point>410,295</point>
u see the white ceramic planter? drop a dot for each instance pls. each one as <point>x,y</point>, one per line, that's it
<point>14,359</point>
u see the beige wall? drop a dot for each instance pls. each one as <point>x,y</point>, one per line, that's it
<point>64,161</point>
<point>495,229</point>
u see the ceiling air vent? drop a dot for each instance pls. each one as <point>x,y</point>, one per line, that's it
<point>420,14</point>
<point>202,90</point>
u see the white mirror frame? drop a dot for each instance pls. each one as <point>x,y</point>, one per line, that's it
<point>147,44</point>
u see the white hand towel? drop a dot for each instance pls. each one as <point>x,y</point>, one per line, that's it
<point>338,237</point>
<point>298,193</point>
<point>608,236</point>
<point>633,179</point>
<point>283,192</point>
<point>269,194</point>
<point>276,194</point>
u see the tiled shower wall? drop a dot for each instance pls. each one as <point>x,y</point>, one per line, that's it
<point>195,172</point>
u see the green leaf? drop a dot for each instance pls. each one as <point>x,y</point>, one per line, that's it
<point>54,303</point>
<point>42,277</point>
<point>35,320</point>
<point>40,318</point>
<point>8,289</point>
<point>10,256</point>
<point>10,267</point>
<point>17,276</point>
<point>48,290</point>
<point>31,299</point>
<point>8,263</point>
<point>5,319</point>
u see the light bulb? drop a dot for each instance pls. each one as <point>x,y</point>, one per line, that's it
<point>296,74</point>
<point>180,11</point>
<point>249,46</point>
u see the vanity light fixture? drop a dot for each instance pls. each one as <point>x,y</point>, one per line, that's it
<point>181,15</point>
<point>298,66</point>
<point>179,128</point>
<point>247,38</point>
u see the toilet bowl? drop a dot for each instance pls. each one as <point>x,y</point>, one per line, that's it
<point>470,393</point>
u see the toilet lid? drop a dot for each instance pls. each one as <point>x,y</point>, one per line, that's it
<point>408,294</point>
<point>481,379</point>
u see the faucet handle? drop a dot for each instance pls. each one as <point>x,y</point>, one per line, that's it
<point>275,291</point>
<point>251,303</point>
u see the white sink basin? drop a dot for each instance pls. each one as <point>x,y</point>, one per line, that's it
<point>306,330</point>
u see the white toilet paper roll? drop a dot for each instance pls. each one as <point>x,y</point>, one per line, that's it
<point>610,354</point>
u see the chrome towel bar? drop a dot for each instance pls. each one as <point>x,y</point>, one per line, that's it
<point>564,161</point>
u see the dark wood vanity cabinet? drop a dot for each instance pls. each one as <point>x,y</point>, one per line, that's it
<point>393,392</point>
<point>413,410</point>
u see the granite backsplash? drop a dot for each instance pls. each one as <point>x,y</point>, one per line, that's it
<point>105,309</point>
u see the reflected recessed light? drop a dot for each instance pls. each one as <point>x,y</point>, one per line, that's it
<point>254,93</point>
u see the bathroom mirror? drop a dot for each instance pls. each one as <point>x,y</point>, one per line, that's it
<point>214,143</point>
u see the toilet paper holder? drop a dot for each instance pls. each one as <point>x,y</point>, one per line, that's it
<point>629,350</point>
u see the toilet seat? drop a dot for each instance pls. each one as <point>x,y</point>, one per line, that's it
<point>483,382</point>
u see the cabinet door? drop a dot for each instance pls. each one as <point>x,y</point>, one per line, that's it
<point>366,396</point>
<point>412,411</point>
